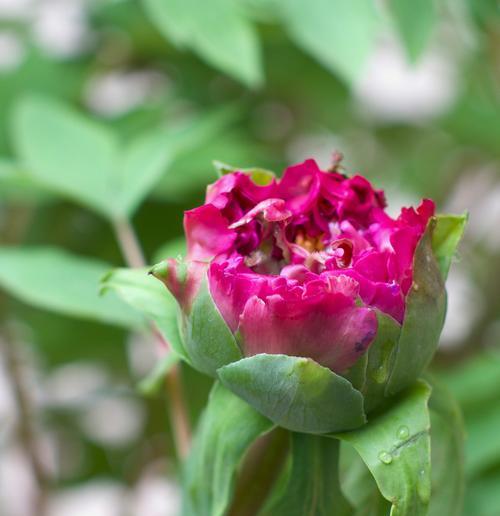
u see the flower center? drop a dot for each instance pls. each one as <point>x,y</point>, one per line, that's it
<point>310,243</point>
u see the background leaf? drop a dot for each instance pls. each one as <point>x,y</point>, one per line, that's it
<point>217,31</point>
<point>415,24</point>
<point>338,33</point>
<point>52,279</point>
<point>65,151</point>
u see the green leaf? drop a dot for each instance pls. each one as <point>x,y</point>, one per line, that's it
<point>217,31</point>
<point>296,393</point>
<point>447,444</point>
<point>476,381</point>
<point>415,24</point>
<point>313,486</point>
<point>482,445</point>
<point>17,185</point>
<point>147,295</point>
<point>65,152</point>
<point>154,381</point>
<point>143,164</point>
<point>424,318</point>
<point>445,239</point>
<point>208,340</point>
<point>395,445</point>
<point>381,356</point>
<point>227,429</point>
<point>338,33</point>
<point>72,155</point>
<point>52,279</point>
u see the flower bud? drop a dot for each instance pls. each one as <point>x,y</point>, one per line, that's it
<point>302,291</point>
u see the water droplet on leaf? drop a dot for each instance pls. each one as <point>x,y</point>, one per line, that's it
<point>385,457</point>
<point>403,432</point>
<point>380,374</point>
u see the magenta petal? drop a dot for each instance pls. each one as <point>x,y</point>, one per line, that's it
<point>270,210</point>
<point>300,186</point>
<point>328,328</point>
<point>207,233</point>
<point>231,286</point>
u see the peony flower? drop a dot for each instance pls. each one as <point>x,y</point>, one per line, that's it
<point>309,266</point>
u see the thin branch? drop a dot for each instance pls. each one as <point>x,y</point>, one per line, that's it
<point>179,419</point>
<point>129,244</point>
<point>26,431</point>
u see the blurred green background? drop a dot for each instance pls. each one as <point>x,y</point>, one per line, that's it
<point>111,112</point>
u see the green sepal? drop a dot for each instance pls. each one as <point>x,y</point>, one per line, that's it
<point>380,361</point>
<point>208,340</point>
<point>227,428</point>
<point>395,446</point>
<point>313,486</point>
<point>296,393</point>
<point>260,176</point>
<point>445,239</point>
<point>424,317</point>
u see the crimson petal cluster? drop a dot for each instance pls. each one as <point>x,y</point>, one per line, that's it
<point>299,266</point>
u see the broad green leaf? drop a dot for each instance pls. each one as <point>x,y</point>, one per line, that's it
<point>445,239</point>
<point>72,155</point>
<point>142,166</point>
<point>147,295</point>
<point>208,340</point>
<point>154,381</point>
<point>424,318</point>
<point>338,33</point>
<point>216,30</point>
<point>381,356</point>
<point>482,497</point>
<point>415,24</point>
<point>150,155</point>
<point>65,151</point>
<point>313,486</point>
<point>395,445</point>
<point>447,454</point>
<point>226,430</point>
<point>482,447</point>
<point>16,184</point>
<point>476,381</point>
<point>52,279</point>
<point>296,393</point>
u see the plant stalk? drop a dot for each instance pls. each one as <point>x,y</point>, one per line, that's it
<point>179,419</point>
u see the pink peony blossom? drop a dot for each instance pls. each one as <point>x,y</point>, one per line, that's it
<point>298,266</point>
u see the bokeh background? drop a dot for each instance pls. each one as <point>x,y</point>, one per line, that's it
<point>408,91</point>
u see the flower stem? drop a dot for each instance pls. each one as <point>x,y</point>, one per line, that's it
<point>179,419</point>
